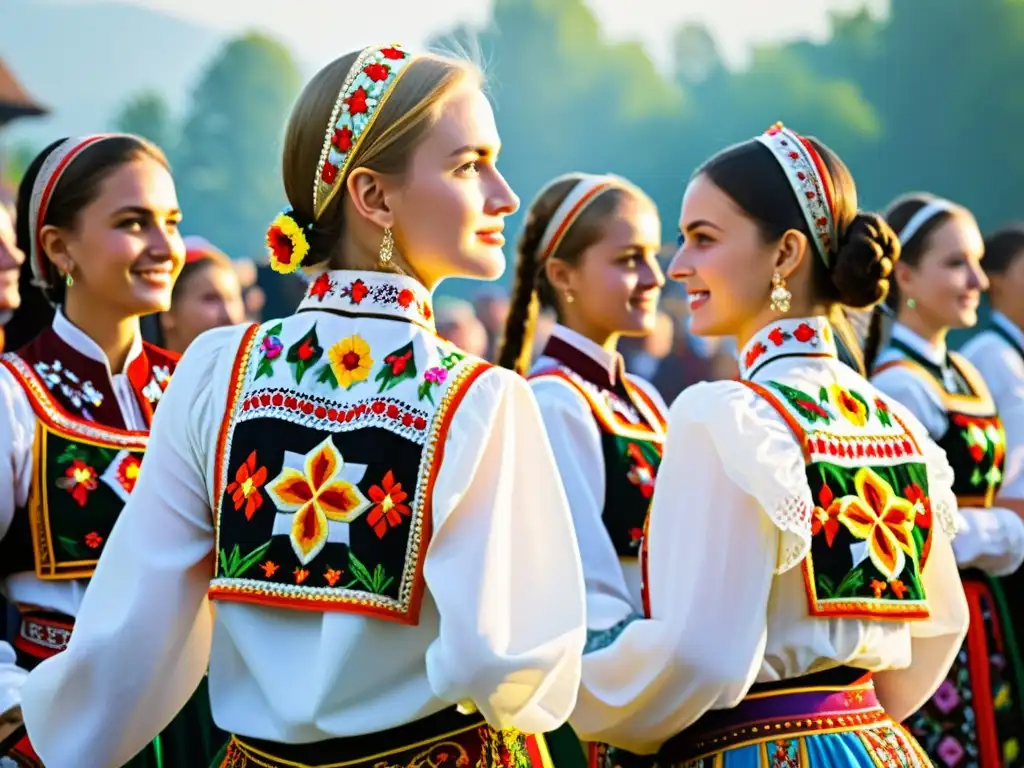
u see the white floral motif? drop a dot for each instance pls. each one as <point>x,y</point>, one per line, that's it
<point>79,393</point>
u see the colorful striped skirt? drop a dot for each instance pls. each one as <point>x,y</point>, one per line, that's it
<point>825,720</point>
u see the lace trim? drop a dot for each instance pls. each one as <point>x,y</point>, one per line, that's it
<point>602,638</point>
<point>793,517</point>
<point>946,517</point>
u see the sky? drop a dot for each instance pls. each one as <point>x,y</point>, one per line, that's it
<point>313,26</point>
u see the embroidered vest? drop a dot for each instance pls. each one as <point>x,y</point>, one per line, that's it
<point>632,438</point>
<point>974,440</point>
<point>327,458</point>
<point>83,468</point>
<point>872,523</point>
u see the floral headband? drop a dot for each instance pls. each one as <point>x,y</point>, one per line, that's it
<point>810,181</point>
<point>50,173</point>
<point>587,189</point>
<point>369,83</point>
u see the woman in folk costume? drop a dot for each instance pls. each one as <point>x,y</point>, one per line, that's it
<point>377,514</point>
<point>800,591</point>
<point>207,294</point>
<point>98,218</point>
<point>976,717</point>
<point>11,259</point>
<point>589,252</point>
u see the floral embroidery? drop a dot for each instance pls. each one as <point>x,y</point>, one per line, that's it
<point>383,294</point>
<point>286,242</point>
<point>451,358</point>
<point>322,286</point>
<point>348,362</point>
<point>300,574</point>
<point>882,412</point>
<point>305,353</point>
<point>79,480</point>
<point>244,489</point>
<point>432,377</point>
<point>127,471</point>
<point>804,404</point>
<point>754,353</point>
<point>269,568</point>
<point>984,439</point>
<point>851,405</point>
<point>234,564</point>
<point>826,515</point>
<point>270,350</point>
<point>93,540</point>
<point>316,495</point>
<point>79,393</point>
<point>879,517</point>
<point>641,472</point>
<point>398,366</point>
<point>388,496</point>
<point>803,333</point>
<point>784,753</point>
<point>331,576</point>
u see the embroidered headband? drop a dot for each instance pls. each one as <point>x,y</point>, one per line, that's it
<point>587,189</point>
<point>50,173</point>
<point>369,83</point>
<point>923,216</point>
<point>810,181</point>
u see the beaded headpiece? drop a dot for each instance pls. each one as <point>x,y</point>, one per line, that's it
<point>588,188</point>
<point>811,184</point>
<point>370,81</point>
<point>50,173</point>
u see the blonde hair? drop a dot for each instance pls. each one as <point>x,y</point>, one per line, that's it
<point>409,113</point>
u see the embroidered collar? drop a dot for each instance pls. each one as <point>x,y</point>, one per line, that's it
<point>789,337</point>
<point>932,353</point>
<point>586,358</point>
<point>1008,327</point>
<point>373,294</point>
<point>77,339</point>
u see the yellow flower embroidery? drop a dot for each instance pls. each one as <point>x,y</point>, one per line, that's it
<point>350,360</point>
<point>316,495</point>
<point>882,519</point>
<point>852,408</point>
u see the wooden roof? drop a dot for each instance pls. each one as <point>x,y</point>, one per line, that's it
<point>14,100</point>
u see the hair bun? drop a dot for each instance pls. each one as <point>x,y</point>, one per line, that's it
<point>868,249</point>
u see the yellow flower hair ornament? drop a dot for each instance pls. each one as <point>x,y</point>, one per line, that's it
<point>287,244</point>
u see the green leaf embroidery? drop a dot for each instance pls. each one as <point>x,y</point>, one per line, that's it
<point>376,582</point>
<point>71,452</point>
<point>852,582</point>
<point>234,565</point>
<point>451,358</point>
<point>823,396</point>
<point>305,353</point>
<point>860,398</point>
<point>271,349</point>
<point>326,376</point>
<point>425,392</point>
<point>825,587</point>
<point>835,479</point>
<point>72,547</point>
<point>803,404</point>
<point>398,366</point>
<point>976,477</point>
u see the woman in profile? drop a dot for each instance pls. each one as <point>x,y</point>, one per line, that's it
<point>800,591</point>
<point>376,514</point>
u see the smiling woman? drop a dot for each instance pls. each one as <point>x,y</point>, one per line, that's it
<point>98,220</point>
<point>376,512</point>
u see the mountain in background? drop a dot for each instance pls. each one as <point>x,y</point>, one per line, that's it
<point>84,61</point>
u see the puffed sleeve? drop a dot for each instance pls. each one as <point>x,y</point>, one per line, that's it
<point>503,565</point>
<point>576,443</point>
<point>142,637</point>
<point>935,641</point>
<point>17,425</point>
<point>732,508</point>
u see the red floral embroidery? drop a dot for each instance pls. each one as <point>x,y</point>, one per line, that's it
<point>356,292</point>
<point>804,333</point>
<point>777,337</point>
<point>377,72</point>
<point>342,140</point>
<point>300,575</point>
<point>128,472</point>
<point>379,407</point>
<point>93,540</point>
<point>329,173</point>
<point>398,362</point>
<point>392,53</point>
<point>641,473</point>
<point>321,286</point>
<point>826,515</point>
<point>331,576</point>
<point>269,568</point>
<point>388,496</point>
<point>79,479</point>
<point>405,298</point>
<point>754,353</point>
<point>357,102</point>
<point>244,489</point>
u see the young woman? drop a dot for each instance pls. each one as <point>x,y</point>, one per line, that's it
<point>377,514</point>
<point>801,595</point>
<point>588,252</point>
<point>977,716</point>
<point>207,294</point>
<point>98,218</point>
<point>11,259</point>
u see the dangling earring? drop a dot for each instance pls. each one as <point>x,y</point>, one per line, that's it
<point>781,297</point>
<point>569,298</point>
<point>387,247</point>
<point>68,280</point>
<point>911,304</point>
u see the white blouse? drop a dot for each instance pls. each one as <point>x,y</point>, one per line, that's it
<point>990,539</point>
<point>17,434</point>
<point>730,523</point>
<point>501,624</point>
<point>1002,367</point>
<point>576,442</point>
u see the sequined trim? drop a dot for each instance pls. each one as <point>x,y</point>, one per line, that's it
<point>602,638</point>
